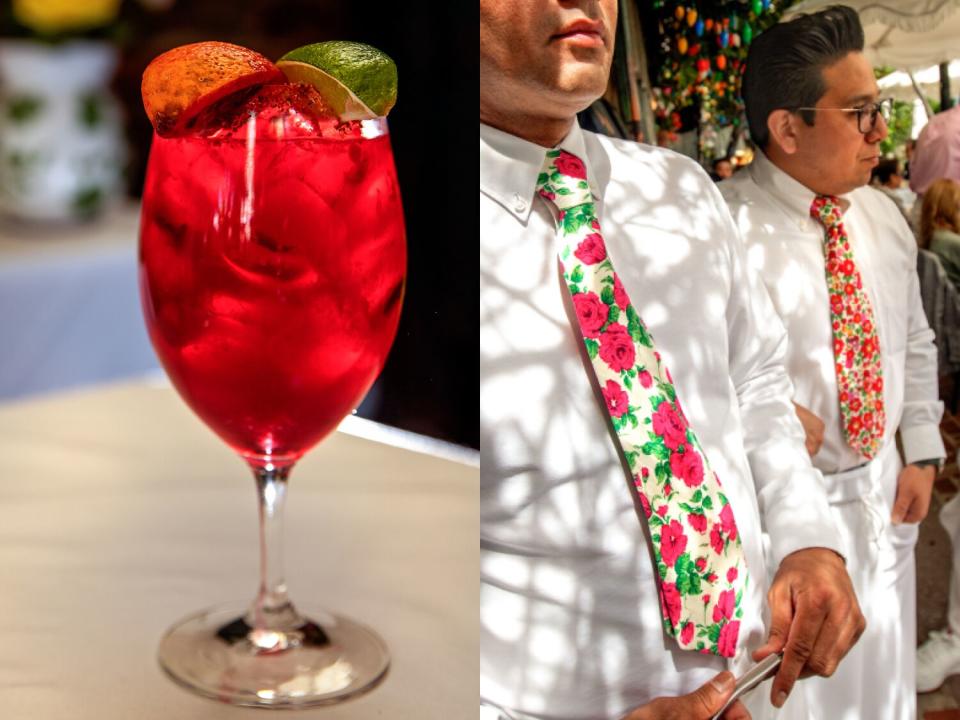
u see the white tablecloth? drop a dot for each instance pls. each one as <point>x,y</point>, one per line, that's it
<point>120,513</point>
<point>69,305</point>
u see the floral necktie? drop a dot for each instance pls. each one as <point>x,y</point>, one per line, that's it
<point>856,347</point>
<point>699,558</point>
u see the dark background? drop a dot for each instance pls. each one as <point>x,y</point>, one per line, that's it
<point>430,382</point>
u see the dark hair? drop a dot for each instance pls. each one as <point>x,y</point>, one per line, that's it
<point>785,64</point>
<point>886,169</point>
<point>722,158</point>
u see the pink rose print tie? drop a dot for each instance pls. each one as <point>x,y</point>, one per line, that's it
<point>856,347</point>
<point>699,558</point>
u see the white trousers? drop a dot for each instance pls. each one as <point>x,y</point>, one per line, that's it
<point>877,678</point>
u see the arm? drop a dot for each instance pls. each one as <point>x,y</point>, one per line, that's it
<point>922,410</point>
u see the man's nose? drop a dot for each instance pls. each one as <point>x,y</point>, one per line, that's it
<point>880,130</point>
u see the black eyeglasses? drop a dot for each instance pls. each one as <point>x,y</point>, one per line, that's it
<point>866,114</point>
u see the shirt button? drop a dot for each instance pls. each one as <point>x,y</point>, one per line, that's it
<point>519,204</point>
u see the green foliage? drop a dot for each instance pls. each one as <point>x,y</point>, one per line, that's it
<point>900,127</point>
<point>86,201</point>
<point>90,110</point>
<point>21,108</point>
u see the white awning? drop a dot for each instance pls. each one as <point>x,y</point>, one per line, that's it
<point>897,84</point>
<point>903,34</point>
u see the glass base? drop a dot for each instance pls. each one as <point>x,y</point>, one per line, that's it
<point>327,660</point>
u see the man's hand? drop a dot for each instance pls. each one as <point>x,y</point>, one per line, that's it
<point>914,486</point>
<point>815,618</point>
<point>813,426</point>
<point>702,704</point>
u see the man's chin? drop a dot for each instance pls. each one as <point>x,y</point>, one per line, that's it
<point>584,81</point>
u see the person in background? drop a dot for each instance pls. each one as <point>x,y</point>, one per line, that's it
<point>937,153</point>
<point>629,369</point>
<point>940,225</point>
<point>888,180</point>
<point>722,169</point>
<point>839,262</point>
<point>939,656</point>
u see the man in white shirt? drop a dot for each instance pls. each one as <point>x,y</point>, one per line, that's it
<point>812,105</point>
<point>571,621</point>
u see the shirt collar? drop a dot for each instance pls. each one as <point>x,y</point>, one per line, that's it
<point>509,167</point>
<point>789,194</point>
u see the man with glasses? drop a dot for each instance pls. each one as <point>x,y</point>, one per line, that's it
<point>840,264</point>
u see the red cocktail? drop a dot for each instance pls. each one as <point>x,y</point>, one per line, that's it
<point>272,272</point>
<point>272,265</point>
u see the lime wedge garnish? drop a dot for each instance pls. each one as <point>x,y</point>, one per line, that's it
<point>357,81</point>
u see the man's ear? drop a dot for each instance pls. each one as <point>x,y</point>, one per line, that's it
<point>782,127</point>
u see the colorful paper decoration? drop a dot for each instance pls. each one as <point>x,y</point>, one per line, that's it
<point>697,74</point>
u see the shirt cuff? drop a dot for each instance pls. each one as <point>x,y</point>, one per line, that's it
<point>922,442</point>
<point>787,540</point>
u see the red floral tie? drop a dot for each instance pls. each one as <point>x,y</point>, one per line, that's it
<point>699,557</point>
<point>856,346</point>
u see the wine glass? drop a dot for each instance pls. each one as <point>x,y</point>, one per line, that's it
<point>272,266</point>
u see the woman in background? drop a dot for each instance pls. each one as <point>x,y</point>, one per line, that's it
<point>940,225</point>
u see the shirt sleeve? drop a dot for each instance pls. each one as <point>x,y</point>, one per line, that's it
<point>790,491</point>
<point>922,409</point>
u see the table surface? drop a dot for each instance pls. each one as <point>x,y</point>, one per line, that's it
<point>120,513</point>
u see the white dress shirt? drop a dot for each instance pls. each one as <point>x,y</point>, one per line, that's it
<point>570,619</point>
<point>785,246</point>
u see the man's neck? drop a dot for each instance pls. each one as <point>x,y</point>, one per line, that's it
<point>546,132</point>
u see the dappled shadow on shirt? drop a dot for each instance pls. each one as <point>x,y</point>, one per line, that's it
<point>570,617</point>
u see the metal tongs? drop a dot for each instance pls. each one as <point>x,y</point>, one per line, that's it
<point>764,669</point>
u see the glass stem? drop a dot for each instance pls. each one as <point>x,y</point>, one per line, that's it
<point>272,611</point>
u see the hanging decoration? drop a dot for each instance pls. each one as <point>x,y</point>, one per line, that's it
<point>701,58</point>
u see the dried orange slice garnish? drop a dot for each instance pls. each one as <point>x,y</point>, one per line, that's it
<point>182,82</point>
